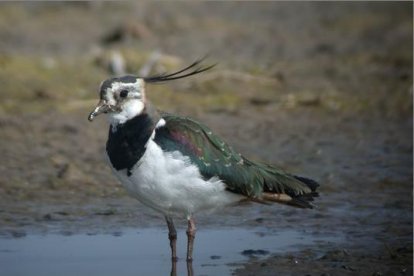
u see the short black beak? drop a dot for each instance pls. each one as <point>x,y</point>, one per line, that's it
<point>101,107</point>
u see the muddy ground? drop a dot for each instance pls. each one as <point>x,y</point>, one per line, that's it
<point>320,89</point>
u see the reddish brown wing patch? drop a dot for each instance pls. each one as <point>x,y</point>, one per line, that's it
<point>186,141</point>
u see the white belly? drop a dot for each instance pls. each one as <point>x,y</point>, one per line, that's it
<point>169,183</point>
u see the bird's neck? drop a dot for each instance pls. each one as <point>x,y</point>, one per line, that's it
<point>127,141</point>
<point>129,110</point>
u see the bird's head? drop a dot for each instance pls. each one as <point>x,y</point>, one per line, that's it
<point>123,98</point>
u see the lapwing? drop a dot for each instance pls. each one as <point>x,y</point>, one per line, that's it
<point>177,165</point>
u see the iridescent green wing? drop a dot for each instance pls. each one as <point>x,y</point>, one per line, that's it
<point>215,158</point>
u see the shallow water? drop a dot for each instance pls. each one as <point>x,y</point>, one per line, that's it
<point>142,252</point>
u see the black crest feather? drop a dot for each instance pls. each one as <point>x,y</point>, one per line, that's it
<point>190,70</point>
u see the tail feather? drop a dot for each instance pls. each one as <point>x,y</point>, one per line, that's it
<point>312,184</point>
<point>299,201</point>
<point>292,198</point>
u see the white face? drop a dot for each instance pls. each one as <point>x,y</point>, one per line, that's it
<point>121,98</point>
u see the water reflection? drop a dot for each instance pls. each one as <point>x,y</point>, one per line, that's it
<point>142,252</point>
<point>190,271</point>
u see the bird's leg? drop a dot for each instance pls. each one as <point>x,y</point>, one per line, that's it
<point>172,236</point>
<point>191,229</point>
<point>190,271</point>
<point>173,268</point>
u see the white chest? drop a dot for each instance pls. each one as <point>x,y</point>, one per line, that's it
<point>169,183</point>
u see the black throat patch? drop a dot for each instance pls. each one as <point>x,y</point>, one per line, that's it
<point>126,145</point>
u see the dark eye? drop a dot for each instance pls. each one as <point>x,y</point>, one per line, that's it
<point>123,93</point>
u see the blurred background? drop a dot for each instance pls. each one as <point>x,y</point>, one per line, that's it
<point>324,90</point>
